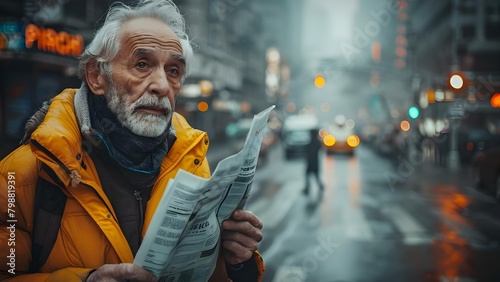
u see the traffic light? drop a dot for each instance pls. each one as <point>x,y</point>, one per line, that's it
<point>413,112</point>
<point>495,100</point>
<point>319,80</point>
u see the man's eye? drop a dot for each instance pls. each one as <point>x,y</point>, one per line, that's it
<point>142,65</point>
<point>174,71</point>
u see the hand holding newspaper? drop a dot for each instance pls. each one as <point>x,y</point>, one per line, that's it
<point>182,241</point>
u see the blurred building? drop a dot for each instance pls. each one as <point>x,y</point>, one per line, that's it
<point>379,50</point>
<point>454,57</point>
<point>455,37</point>
<point>228,68</point>
<point>39,43</point>
<point>232,40</point>
<point>461,33</point>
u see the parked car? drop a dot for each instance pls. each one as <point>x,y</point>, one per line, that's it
<point>478,131</point>
<point>471,140</point>
<point>486,170</point>
<point>237,134</point>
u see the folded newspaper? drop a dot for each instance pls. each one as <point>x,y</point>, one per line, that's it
<point>183,238</point>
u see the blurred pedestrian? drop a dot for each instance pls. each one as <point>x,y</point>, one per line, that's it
<point>106,151</point>
<point>312,165</point>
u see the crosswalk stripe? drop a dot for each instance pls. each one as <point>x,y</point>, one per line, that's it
<point>357,226</point>
<point>413,232</point>
<point>284,200</point>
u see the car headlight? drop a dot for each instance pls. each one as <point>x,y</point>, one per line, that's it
<point>329,140</point>
<point>353,141</point>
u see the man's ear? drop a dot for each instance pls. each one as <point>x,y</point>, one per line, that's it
<point>95,79</point>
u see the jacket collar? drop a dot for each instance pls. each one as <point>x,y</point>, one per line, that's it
<point>58,141</point>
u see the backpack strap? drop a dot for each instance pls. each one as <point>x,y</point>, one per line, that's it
<point>50,201</point>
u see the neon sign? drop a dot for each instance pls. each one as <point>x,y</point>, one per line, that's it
<point>49,40</point>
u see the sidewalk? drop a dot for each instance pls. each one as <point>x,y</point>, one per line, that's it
<point>428,170</point>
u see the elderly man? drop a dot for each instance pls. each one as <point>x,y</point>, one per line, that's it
<point>110,148</point>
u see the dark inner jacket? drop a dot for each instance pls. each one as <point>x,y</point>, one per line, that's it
<point>128,202</point>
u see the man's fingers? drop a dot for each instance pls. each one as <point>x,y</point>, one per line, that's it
<point>242,215</point>
<point>241,234</point>
<point>241,239</point>
<point>235,253</point>
<point>135,273</point>
<point>121,272</point>
<point>244,227</point>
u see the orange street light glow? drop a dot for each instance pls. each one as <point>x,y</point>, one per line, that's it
<point>202,106</point>
<point>405,125</point>
<point>495,100</point>
<point>319,81</point>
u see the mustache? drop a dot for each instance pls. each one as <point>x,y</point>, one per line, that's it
<point>149,100</point>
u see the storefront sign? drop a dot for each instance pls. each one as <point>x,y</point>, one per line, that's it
<point>11,36</point>
<point>49,40</point>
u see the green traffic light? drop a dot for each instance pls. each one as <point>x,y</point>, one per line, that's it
<point>413,112</point>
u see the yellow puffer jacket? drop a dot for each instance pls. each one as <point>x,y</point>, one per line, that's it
<point>89,236</point>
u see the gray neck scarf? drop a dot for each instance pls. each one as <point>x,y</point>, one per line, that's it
<point>139,156</point>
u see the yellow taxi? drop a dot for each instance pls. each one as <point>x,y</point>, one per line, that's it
<point>339,137</point>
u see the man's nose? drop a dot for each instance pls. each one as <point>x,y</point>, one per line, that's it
<point>159,85</point>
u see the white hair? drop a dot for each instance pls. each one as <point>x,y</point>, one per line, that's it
<point>106,44</point>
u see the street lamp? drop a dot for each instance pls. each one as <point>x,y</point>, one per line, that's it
<point>456,81</point>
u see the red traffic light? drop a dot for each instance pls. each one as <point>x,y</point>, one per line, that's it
<point>495,100</point>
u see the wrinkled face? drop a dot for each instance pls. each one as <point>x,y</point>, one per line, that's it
<point>146,76</point>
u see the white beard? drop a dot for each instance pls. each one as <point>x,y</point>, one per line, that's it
<point>143,124</point>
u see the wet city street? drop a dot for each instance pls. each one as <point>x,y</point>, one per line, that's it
<point>376,221</point>
<point>394,104</point>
